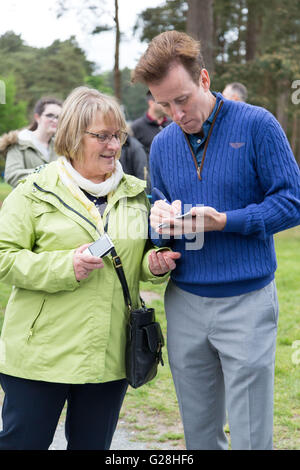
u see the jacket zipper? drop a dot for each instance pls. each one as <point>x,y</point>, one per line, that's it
<point>199,167</point>
<point>66,205</point>
<point>30,334</point>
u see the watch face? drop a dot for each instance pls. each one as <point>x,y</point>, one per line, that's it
<point>101,247</point>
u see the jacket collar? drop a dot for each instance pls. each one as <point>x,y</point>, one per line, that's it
<point>48,180</point>
<point>47,175</point>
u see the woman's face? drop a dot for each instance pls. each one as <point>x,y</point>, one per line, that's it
<point>98,157</point>
<point>47,121</point>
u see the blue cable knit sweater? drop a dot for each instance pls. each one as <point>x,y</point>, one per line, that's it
<point>248,171</point>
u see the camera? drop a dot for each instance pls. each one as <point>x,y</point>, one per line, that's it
<point>101,247</point>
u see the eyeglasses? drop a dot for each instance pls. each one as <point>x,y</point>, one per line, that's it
<point>106,138</point>
<point>51,116</point>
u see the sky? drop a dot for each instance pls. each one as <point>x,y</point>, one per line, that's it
<point>36,22</point>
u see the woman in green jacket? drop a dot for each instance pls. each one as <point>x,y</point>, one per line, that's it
<point>64,330</point>
<point>34,146</point>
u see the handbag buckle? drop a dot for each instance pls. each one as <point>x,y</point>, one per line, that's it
<point>117,261</point>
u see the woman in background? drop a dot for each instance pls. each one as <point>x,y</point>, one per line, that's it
<point>31,147</point>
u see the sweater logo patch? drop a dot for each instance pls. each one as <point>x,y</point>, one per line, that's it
<point>237,145</point>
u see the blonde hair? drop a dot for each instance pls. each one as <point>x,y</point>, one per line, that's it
<point>163,51</point>
<point>78,113</point>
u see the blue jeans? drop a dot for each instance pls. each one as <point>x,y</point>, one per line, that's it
<point>31,411</point>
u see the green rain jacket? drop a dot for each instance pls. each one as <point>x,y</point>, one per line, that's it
<point>22,156</point>
<point>57,329</point>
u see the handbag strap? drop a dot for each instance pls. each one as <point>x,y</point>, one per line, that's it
<point>120,272</point>
<point>122,278</point>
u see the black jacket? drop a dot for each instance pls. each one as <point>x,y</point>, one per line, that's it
<point>144,129</point>
<point>134,160</point>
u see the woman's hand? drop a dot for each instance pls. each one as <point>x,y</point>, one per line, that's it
<point>84,264</point>
<point>162,261</point>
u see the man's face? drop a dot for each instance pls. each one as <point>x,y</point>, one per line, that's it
<point>159,111</point>
<point>187,103</point>
<point>156,109</point>
<point>230,94</point>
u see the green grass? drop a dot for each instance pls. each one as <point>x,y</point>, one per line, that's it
<point>151,412</point>
<point>287,374</point>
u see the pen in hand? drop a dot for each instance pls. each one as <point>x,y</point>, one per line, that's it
<point>157,194</point>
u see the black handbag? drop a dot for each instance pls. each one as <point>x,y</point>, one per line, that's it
<point>144,337</point>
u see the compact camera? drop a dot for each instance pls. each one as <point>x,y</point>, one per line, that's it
<point>101,247</point>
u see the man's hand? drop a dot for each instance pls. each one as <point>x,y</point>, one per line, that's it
<point>162,261</point>
<point>203,219</point>
<point>211,219</point>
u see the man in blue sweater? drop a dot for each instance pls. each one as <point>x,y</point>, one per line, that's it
<point>230,162</point>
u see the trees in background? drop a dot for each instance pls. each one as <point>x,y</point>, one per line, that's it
<point>200,25</point>
<point>134,99</point>
<point>250,41</point>
<point>95,10</point>
<point>30,73</point>
<point>13,114</point>
<point>54,70</point>
<point>152,21</point>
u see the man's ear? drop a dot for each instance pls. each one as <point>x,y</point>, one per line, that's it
<point>204,79</point>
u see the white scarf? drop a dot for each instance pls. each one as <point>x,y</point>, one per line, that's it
<point>74,181</point>
<point>96,189</point>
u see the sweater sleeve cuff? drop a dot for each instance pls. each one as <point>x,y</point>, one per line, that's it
<point>236,221</point>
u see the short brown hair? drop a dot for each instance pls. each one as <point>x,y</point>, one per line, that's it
<point>78,112</point>
<point>164,50</point>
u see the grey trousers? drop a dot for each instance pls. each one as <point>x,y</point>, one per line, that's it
<point>222,355</point>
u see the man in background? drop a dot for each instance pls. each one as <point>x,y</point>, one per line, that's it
<point>134,160</point>
<point>151,123</point>
<point>148,126</point>
<point>235,91</point>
